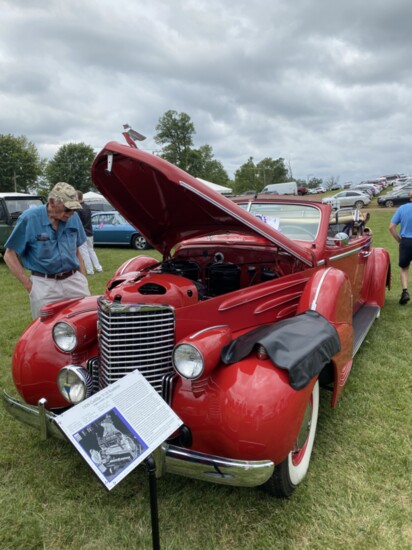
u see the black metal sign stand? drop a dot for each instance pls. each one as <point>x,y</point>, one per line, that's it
<point>151,468</point>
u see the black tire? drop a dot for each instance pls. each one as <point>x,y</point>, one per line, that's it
<point>139,242</point>
<point>389,204</point>
<point>359,204</point>
<point>289,473</point>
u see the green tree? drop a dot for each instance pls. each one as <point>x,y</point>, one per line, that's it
<point>175,132</point>
<point>247,178</point>
<point>271,171</point>
<point>20,164</point>
<point>72,163</point>
<point>203,165</point>
<point>254,177</point>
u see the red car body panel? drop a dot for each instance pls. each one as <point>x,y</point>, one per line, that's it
<point>224,273</point>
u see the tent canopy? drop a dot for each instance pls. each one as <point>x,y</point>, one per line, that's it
<point>92,196</point>
<point>216,187</point>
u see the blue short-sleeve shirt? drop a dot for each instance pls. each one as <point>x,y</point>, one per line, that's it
<point>43,249</point>
<point>403,216</point>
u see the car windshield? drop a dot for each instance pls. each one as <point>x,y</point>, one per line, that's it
<point>298,222</point>
<point>19,205</point>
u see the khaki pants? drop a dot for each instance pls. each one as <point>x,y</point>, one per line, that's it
<point>47,291</point>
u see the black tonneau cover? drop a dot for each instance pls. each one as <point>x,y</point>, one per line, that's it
<point>302,345</point>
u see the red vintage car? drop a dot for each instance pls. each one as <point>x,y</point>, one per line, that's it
<point>254,307</point>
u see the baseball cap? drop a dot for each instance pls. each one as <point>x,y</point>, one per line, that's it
<point>67,194</point>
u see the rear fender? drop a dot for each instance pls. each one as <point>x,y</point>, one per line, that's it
<point>377,277</point>
<point>329,293</point>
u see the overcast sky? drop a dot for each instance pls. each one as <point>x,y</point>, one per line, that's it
<point>325,84</point>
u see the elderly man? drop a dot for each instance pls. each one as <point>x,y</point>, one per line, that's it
<point>403,216</point>
<point>46,241</point>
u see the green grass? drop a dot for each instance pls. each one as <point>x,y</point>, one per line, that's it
<point>357,493</point>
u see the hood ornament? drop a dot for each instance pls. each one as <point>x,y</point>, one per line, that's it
<point>131,136</point>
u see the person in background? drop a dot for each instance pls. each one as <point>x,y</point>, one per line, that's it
<point>90,258</point>
<point>403,216</point>
<point>46,240</point>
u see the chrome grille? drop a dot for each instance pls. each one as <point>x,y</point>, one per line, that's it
<point>135,337</point>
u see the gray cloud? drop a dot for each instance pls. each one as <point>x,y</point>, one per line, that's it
<point>325,85</point>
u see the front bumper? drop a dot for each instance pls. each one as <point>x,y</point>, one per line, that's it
<point>169,459</point>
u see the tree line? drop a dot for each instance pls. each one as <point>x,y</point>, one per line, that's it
<point>22,169</point>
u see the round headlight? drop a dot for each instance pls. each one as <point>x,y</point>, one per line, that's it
<point>64,337</point>
<point>188,361</point>
<point>75,383</point>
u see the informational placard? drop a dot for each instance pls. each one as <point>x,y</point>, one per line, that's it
<point>118,427</point>
<point>273,221</point>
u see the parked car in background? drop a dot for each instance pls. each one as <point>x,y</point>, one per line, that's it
<point>11,206</point>
<point>255,305</point>
<point>303,190</point>
<point>285,188</point>
<point>407,184</point>
<point>400,182</point>
<point>395,198</point>
<point>111,228</point>
<point>316,190</point>
<point>369,188</point>
<point>355,199</point>
<point>380,182</point>
<point>392,178</point>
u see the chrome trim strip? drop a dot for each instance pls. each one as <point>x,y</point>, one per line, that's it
<point>345,254</point>
<point>314,303</point>
<point>206,330</point>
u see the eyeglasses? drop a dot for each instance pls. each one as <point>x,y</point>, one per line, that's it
<point>67,210</point>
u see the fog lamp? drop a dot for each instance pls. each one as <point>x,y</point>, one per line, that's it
<point>75,383</point>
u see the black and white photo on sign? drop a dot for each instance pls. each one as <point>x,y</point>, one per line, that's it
<point>111,443</point>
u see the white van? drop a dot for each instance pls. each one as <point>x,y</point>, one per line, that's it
<point>287,188</point>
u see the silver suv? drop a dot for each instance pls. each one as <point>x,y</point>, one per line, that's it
<point>352,198</point>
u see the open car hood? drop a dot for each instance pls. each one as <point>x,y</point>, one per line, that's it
<point>167,205</point>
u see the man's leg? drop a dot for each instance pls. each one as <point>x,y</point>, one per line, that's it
<point>405,257</point>
<point>84,250</point>
<point>404,273</point>
<point>93,255</point>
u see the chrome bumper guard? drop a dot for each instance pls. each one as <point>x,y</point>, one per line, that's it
<point>169,458</point>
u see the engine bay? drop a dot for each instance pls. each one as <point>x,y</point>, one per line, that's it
<point>201,273</point>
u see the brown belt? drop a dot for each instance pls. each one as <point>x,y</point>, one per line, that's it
<point>56,276</point>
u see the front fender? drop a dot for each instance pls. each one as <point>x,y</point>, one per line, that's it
<point>37,360</point>
<point>246,410</point>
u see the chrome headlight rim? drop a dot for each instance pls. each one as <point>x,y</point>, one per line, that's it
<point>188,361</point>
<point>75,383</point>
<point>64,336</point>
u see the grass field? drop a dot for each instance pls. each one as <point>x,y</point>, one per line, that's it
<point>357,493</point>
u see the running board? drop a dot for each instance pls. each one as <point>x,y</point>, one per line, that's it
<point>362,322</point>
